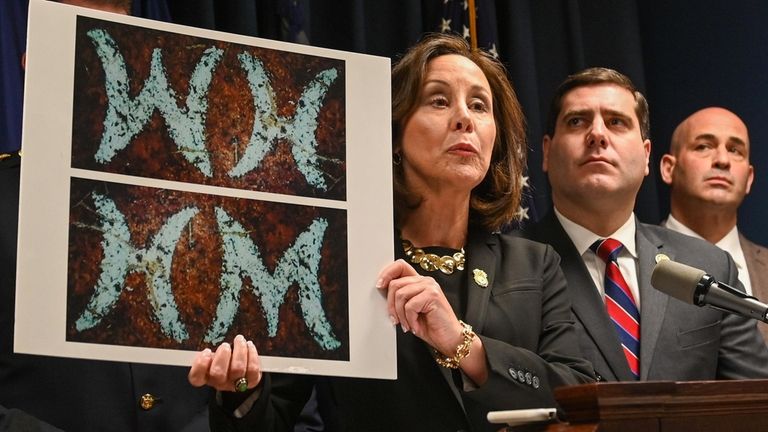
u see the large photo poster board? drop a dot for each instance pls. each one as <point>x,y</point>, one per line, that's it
<point>182,186</point>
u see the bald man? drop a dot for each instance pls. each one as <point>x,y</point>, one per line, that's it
<point>709,173</point>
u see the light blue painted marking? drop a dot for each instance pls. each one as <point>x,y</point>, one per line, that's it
<point>299,264</point>
<point>268,126</point>
<point>126,117</point>
<point>121,258</point>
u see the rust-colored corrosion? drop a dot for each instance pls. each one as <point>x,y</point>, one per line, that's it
<point>197,267</point>
<point>230,114</point>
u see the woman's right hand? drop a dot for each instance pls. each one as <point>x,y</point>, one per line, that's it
<point>227,365</point>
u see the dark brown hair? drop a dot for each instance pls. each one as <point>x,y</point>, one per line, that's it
<point>496,200</point>
<point>596,76</point>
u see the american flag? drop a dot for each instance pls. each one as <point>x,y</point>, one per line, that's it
<point>475,20</point>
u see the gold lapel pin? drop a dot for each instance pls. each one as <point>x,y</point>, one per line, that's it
<point>661,257</point>
<point>481,277</point>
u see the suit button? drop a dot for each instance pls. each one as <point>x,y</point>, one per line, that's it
<point>512,373</point>
<point>536,382</point>
<point>147,401</point>
<point>521,376</point>
<point>528,378</point>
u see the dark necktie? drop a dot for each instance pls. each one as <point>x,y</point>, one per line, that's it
<point>620,303</point>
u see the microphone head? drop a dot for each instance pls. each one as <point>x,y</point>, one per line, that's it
<point>677,280</point>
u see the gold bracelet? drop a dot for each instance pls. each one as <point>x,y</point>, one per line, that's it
<point>461,351</point>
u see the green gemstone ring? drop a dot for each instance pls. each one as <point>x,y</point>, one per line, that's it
<point>241,385</point>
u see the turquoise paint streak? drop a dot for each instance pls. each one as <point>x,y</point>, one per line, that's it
<point>126,117</point>
<point>121,258</point>
<point>268,126</point>
<point>299,264</point>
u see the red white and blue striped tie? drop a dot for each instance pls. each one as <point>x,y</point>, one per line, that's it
<point>620,303</point>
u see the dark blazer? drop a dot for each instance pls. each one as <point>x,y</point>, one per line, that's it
<point>523,318</point>
<point>79,395</point>
<point>678,341</point>
<point>756,257</point>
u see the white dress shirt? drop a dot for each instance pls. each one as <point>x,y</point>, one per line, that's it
<point>730,243</point>
<point>583,238</point>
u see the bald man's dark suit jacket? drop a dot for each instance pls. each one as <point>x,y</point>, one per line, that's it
<point>678,341</point>
<point>756,257</point>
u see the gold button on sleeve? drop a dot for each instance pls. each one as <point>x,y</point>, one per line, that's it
<point>147,401</point>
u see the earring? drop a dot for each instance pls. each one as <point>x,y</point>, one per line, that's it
<point>397,158</point>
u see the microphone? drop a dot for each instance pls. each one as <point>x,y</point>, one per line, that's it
<point>696,287</point>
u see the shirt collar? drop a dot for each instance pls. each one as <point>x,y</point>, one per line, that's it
<point>583,238</point>
<point>728,243</point>
<point>676,225</point>
<point>731,240</point>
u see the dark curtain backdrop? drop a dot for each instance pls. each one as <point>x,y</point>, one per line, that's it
<point>684,55</point>
<point>540,42</point>
<point>705,53</point>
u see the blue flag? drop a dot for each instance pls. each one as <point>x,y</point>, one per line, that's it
<point>13,44</point>
<point>13,33</point>
<point>293,20</point>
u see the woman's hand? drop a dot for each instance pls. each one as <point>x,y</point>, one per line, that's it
<point>222,369</point>
<point>419,305</point>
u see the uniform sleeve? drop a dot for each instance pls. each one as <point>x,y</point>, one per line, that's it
<point>277,408</point>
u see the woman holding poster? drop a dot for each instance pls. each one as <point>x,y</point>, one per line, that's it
<point>486,323</point>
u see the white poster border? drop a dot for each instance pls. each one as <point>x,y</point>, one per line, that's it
<point>40,325</point>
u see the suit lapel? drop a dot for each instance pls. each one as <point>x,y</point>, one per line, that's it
<point>756,266</point>
<point>586,302</point>
<point>653,303</point>
<point>482,253</point>
<point>755,256</point>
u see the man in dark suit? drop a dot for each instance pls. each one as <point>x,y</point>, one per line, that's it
<point>709,173</point>
<point>596,154</point>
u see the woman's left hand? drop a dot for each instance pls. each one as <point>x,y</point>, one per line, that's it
<point>419,305</point>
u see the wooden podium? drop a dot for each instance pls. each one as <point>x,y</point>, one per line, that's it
<point>662,406</point>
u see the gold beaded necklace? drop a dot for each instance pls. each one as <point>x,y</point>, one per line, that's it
<point>431,262</point>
